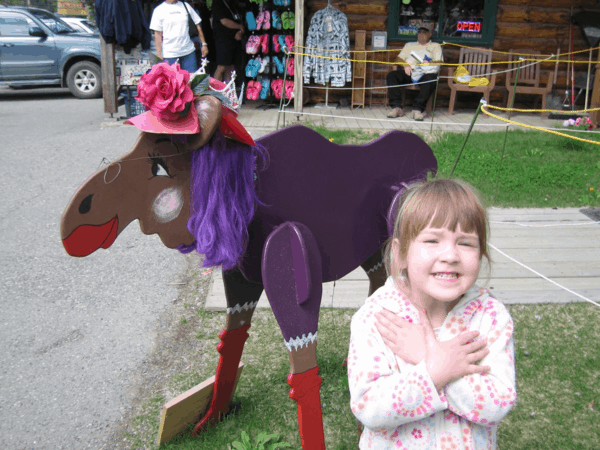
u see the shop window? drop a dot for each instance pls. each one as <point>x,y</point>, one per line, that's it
<point>459,21</point>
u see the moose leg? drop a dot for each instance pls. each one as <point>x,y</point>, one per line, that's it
<point>242,297</point>
<point>291,272</point>
<point>375,270</point>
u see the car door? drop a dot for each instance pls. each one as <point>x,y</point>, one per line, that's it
<point>24,57</point>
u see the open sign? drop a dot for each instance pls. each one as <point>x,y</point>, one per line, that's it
<point>468,27</point>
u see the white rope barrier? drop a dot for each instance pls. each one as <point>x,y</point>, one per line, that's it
<point>545,225</point>
<point>442,77</point>
<point>544,277</point>
<point>396,121</point>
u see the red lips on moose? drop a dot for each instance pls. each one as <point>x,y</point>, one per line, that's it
<point>87,239</point>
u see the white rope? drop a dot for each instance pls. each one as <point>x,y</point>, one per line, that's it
<point>544,277</point>
<point>546,225</point>
<point>424,82</point>
<point>503,125</point>
<point>574,130</point>
<point>372,87</point>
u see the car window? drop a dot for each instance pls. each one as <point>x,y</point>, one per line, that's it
<point>77,27</point>
<point>52,22</point>
<point>14,24</point>
<point>89,24</point>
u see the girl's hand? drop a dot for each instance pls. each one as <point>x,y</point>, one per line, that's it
<point>450,360</point>
<point>405,339</point>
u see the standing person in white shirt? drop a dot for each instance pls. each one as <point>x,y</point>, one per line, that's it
<point>170,22</point>
<point>413,55</point>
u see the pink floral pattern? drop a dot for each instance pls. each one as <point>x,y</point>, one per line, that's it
<point>398,403</point>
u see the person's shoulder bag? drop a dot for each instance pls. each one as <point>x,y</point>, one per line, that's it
<point>191,24</point>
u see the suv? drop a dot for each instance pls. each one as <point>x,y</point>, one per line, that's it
<point>39,49</point>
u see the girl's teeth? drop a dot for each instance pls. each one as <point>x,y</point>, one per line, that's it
<point>446,276</point>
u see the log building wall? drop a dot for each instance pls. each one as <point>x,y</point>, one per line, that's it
<point>525,24</point>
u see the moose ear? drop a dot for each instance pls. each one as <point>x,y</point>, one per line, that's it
<point>210,112</point>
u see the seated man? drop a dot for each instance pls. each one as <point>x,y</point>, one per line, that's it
<point>413,54</point>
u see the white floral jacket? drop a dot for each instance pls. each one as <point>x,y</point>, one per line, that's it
<point>398,403</point>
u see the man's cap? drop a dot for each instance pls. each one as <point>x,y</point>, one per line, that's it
<point>423,28</point>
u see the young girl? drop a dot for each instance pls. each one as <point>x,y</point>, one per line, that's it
<point>431,360</point>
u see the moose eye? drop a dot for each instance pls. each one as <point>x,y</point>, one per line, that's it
<point>159,167</point>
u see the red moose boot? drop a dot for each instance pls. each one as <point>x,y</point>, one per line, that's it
<point>305,392</point>
<point>230,348</point>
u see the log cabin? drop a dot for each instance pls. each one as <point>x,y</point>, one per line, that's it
<point>500,25</point>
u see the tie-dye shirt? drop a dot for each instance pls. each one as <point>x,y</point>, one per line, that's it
<point>398,403</point>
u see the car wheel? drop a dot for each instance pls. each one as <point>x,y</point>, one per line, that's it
<point>84,80</point>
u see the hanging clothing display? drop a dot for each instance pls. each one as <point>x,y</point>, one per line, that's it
<point>328,36</point>
<point>271,24</point>
<point>123,22</point>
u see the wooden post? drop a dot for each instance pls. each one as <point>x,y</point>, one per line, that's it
<point>109,76</point>
<point>595,116</point>
<point>298,59</point>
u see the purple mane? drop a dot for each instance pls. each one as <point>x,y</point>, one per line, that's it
<point>222,199</point>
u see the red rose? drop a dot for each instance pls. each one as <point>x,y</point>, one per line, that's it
<point>165,90</point>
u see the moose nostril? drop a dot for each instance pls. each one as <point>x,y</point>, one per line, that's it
<point>86,204</point>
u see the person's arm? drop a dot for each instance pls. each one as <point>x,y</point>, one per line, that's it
<point>487,398</point>
<point>232,24</point>
<point>158,43</point>
<point>203,40</point>
<point>382,394</point>
<point>401,59</point>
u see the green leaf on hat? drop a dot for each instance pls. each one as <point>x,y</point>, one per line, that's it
<point>197,80</point>
<point>185,112</point>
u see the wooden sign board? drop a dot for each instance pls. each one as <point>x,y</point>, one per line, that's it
<point>71,8</point>
<point>188,408</point>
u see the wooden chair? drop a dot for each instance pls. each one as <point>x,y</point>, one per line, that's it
<point>479,64</point>
<point>529,77</point>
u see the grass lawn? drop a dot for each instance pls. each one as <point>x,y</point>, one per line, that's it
<point>558,374</point>
<point>537,169</point>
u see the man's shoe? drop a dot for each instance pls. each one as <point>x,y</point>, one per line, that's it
<point>396,112</point>
<point>418,115</point>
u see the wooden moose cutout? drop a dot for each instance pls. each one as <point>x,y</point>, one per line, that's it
<point>284,214</point>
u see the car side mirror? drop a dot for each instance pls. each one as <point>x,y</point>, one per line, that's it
<point>36,31</point>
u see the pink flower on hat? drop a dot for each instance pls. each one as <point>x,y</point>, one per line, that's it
<point>165,91</point>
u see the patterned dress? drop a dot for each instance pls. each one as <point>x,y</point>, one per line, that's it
<point>328,36</point>
<point>398,403</point>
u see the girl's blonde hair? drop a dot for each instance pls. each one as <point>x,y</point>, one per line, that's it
<point>439,203</point>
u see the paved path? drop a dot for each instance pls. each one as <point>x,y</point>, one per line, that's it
<point>550,242</point>
<point>263,121</point>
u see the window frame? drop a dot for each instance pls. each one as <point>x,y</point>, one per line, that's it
<point>490,12</point>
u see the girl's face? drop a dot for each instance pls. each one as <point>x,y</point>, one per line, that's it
<point>442,264</point>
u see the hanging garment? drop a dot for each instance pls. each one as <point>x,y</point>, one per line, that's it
<point>123,22</point>
<point>328,36</point>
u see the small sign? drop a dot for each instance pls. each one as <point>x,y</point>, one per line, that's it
<point>379,40</point>
<point>71,8</point>
<point>468,27</point>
